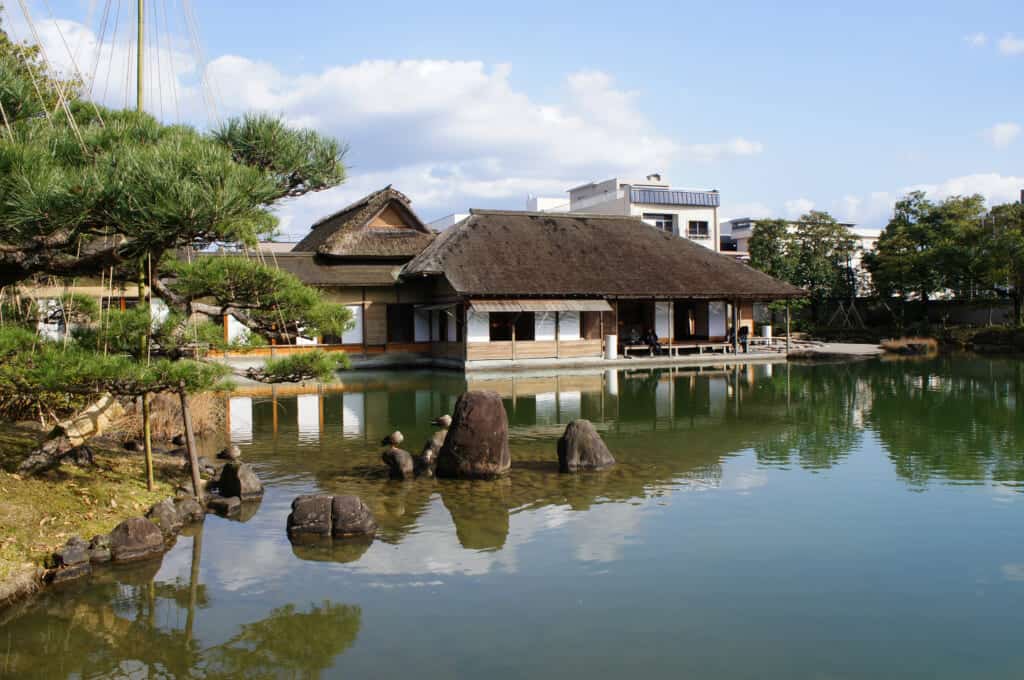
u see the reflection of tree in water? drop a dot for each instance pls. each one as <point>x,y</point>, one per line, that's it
<point>117,626</point>
<point>949,418</point>
<point>287,643</point>
<point>819,406</point>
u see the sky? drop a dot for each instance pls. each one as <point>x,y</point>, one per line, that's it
<point>783,107</point>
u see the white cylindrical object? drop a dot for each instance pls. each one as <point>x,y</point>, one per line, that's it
<point>766,331</point>
<point>611,381</point>
<point>611,346</point>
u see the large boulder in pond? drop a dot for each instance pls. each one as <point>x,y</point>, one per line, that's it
<point>310,516</point>
<point>350,516</point>
<point>239,479</point>
<point>476,446</point>
<point>318,517</point>
<point>581,448</point>
<point>134,539</point>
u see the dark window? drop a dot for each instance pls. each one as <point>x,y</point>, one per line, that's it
<point>659,221</point>
<point>590,325</point>
<point>698,229</point>
<point>400,323</point>
<point>502,324</point>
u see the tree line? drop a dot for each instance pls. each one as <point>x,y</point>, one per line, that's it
<point>955,248</point>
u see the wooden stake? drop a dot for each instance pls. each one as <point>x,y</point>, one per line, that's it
<point>787,327</point>
<point>147,441</point>
<point>190,442</point>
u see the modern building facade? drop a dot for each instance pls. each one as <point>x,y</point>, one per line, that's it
<point>688,214</point>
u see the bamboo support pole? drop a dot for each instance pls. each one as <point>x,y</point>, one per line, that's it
<point>190,442</point>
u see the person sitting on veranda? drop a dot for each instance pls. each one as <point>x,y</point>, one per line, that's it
<point>634,337</point>
<point>745,338</point>
<point>651,340</point>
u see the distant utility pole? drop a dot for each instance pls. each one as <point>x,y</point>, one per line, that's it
<point>139,56</point>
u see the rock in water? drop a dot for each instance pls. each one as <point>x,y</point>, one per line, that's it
<point>310,516</point>
<point>99,549</point>
<point>165,516</point>
<point>239,479</point>
<point>321,516</point>
<point>135,539</point>
<point>581,448</point>
<point>232,452</point>
<point>225,507</point>
<point>75,551</point>
<point>189,510</point>
<point>477,442</point>
<point>351,517</point>
<point>399,462</point>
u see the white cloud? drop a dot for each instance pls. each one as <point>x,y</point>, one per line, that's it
<point>1010,45</point>
<point>736,147</point>
<point>1001,135</point>
<point>798,206</point>
<point>450,134</point>
<point>976,39</point>
<point>994,187</point>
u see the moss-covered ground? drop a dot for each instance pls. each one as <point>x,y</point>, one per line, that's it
<point>38,514</point>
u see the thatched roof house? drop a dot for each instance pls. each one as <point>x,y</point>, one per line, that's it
<point>500,254</point>
<point>381,225</point>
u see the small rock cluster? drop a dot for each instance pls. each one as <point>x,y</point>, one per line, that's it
<point>234,483</point>
<point>140,538</point>
<point>474,444</point>
<point>136,538</point>
<point>403,465</point>
<point>323,516</point>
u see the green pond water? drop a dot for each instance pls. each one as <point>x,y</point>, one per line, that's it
<point>829,521</point>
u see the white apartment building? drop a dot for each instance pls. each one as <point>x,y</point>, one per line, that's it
<point>684,213</point>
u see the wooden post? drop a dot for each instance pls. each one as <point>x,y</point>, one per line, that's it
<point>514,320</point>
<point>787,327</point>
<point>147,441</point>
<point>190,442</point>
<point>558,333</point>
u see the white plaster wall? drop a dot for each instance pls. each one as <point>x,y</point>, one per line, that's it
<point>237,331</point>
<point>421,326</point>
<point>661,325</point>
<point>544,326</point>
<point>569,325</point>
<point>716,319</point>
<point>354,336</point>
<point>435,325</point>
<point>478,327</point>
<point>453,329</point>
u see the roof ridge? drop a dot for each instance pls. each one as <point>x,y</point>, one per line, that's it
<point>540,213</point>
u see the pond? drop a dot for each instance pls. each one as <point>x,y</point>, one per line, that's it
<point>763,521</point>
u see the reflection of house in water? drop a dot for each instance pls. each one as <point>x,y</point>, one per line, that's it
<point>537,404</point>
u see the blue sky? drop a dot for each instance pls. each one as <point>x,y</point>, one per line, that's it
<point>841,106</point>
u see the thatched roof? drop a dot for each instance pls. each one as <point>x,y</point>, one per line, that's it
<point>356,232</point>
<point>314,271</point>
<point>499,253</point>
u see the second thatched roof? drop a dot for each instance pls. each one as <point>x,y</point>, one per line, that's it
<point>502,253</point>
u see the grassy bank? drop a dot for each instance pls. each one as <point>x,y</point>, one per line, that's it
<point>37,515</point>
